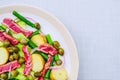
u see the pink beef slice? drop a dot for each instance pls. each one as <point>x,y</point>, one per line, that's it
<point>48,49</point>
<point>9,66</point>
<point>10,38</point>
<point>28,61</point>
<point>2,37</point>
<point>14,27</point>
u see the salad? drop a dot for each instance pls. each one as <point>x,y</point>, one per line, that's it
<point>27,54</point>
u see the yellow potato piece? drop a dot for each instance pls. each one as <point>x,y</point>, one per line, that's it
<point>4,55</point>
<point>39,39</point>
<point>38,62</point>
<point>59,74</point>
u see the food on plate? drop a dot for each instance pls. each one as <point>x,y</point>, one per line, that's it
<point>59,74</point>
<point>4,55</point>
<point>29,54</point>
<point>38,62</point>
<point>39,39</point>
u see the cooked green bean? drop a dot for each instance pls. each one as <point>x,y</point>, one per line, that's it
<point>15,13</point>
<point>49,40</point>
<point>34,33</point>
<point>2,27</point>
<point>47,74</point>
<point>31,44</point>
<point>53,60</point>
<point>45,56</point>
<point>56,57</point>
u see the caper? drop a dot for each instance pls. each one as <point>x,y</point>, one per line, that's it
<point>23,41</point>
<point>56,44</point>
<point>37,74</point>
<point>37,25</point>
<point>11,58</point>
<point>10,49</point>
<point>58,62</point>
<point>21,60</point>
<point>3,76</point>
<point>46,79</point>
<point>15,56</point>
<point>15,49</point>
<point>14,72</point>
<point>61,51</point>
<point>6,43</point>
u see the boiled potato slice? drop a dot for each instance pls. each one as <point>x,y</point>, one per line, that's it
<point>38,62</point>
<point>58,74</point>
<point>4,55</point>
<point>39,39</point>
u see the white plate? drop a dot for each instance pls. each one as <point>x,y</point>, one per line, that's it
<point>54,27</point>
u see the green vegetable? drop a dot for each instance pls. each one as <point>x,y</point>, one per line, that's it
<point>53,59</point>
<point>20,52</point>
<point>23,41</point>
<point>47,74</point>
<point>49,40</point>
<point>11,58</point>
<point>21,76</point>
<point>15,56</point>
<point>30,77</point>
<point>3,76</point>
<point>21,24</point>
<point>20,36</point>
<point>46,79</point>
<point>31,44</point>
<point>11,32</point>
<point>56,44</point>
<point>10,49</point>
<point>1,43</point>
<point>61,51</point>
<point>37,26</point>
<point>21,60</point>
<point>23,19</point>
<point>57,60</point>
<point>6,43</point>
<point>37,74</point>
<point>3,27</point>
<point>14,73</point>
<point>56,57</point>
<point>34,33</point>
<point>45,56</point>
